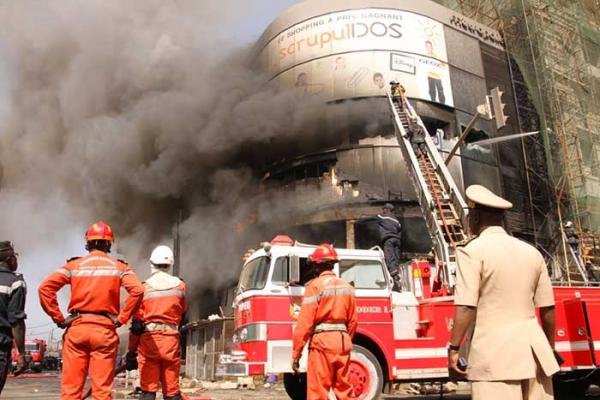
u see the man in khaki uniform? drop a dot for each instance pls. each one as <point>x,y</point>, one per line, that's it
<point>500,282</point>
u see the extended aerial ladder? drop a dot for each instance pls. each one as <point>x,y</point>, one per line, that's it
<point>440,200</point>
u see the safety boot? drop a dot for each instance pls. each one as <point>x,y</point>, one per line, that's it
<point>148,395</point>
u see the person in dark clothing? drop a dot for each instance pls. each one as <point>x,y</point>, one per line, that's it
<point>589,270</point>
<point>572,237</point>
<point>390,231</point>
<point>416,135</point>
<point>12,312</point>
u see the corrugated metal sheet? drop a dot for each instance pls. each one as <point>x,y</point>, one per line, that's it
<point>206,340</point>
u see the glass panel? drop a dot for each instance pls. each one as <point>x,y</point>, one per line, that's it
<point>254,274</point>
<point>280,271</point>
<point>363,274</point>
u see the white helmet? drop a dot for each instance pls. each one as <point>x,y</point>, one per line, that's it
<point>568,224</point>
<point>162,255</point>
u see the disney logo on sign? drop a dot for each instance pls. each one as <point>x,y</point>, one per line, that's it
<point>403,63</point>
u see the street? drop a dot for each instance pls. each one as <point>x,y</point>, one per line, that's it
<point>47,386</point>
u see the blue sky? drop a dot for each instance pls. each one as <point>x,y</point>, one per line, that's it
<point>263,13</point>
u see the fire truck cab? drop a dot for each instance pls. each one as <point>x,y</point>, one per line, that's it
<point>401,336</point>
<point>396,338</point>
<point>35,352</point>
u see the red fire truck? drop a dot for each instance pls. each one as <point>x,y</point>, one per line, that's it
<point>35,353</point>
<point>401,335</point>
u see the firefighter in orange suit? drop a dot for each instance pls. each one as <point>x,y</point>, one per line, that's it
<point>155,330</point>
<point>328,319</point>
<point>90,340</point>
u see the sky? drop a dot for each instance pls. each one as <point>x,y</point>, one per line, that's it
<point>43,249</point>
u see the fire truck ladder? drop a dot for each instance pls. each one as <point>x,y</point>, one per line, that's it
<point>441,202</point>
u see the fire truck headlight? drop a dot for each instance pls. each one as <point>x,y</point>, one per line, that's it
<point>251,333</point>
<point>224,359</point>
<point>242,335</point>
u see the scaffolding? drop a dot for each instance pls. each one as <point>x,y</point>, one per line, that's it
<point>554,51</point>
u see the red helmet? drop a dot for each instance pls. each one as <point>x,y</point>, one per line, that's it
<point>324,253</point>
<point>99,231</point>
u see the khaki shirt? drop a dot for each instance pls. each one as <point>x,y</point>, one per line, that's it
<point>506,279</point>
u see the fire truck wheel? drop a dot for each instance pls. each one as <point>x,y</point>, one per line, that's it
<point>365,374</point>
<point>576,388</point>
<point>295,386</point>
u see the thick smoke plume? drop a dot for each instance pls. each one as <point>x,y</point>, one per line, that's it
<point>130,111</point>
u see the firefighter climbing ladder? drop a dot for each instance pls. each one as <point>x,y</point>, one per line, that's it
<point>441,202</point>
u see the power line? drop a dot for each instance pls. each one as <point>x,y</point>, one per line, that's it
<point>39,326</point>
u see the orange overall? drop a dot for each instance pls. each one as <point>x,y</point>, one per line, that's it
<point>91,342</point>
<point>159,346</point>
<point>328,318</point>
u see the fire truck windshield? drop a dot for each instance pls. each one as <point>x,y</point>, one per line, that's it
<point>254,274</point>
<point>31,347</point>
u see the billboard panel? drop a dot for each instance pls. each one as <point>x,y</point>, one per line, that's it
<point>368,74</point>
<point>357,52</point>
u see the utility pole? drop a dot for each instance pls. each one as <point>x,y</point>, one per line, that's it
<point>463,136</point>
<point>177,245</point>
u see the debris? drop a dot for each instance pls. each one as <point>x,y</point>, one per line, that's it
<point>246,382</point>
<point>228,385</point>
<point>211,385</point>
<point>192,383</point>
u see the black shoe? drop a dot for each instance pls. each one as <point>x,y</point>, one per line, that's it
<point>148,395</point>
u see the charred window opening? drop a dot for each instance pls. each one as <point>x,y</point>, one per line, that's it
<point>304,169</point>
<point>475,135</point>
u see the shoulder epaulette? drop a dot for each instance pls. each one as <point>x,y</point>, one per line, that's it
<point>465,242</point>
<point>122,261</point>
<point>73,258</point>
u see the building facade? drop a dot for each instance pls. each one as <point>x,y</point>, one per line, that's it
<point>346,53</point>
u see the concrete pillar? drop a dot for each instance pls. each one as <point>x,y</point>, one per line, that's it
<point>350,244</point>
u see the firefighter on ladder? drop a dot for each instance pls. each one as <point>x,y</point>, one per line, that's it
<point>154,339</point>
<point>572,238</point>
<point>91,340</point>
<point>500,282</point>
<point>416,135</point>
<point>398,94</point>
<point>327,321</point>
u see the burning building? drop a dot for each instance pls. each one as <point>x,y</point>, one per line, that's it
<point>347,53</point>
<point>347,162</point>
